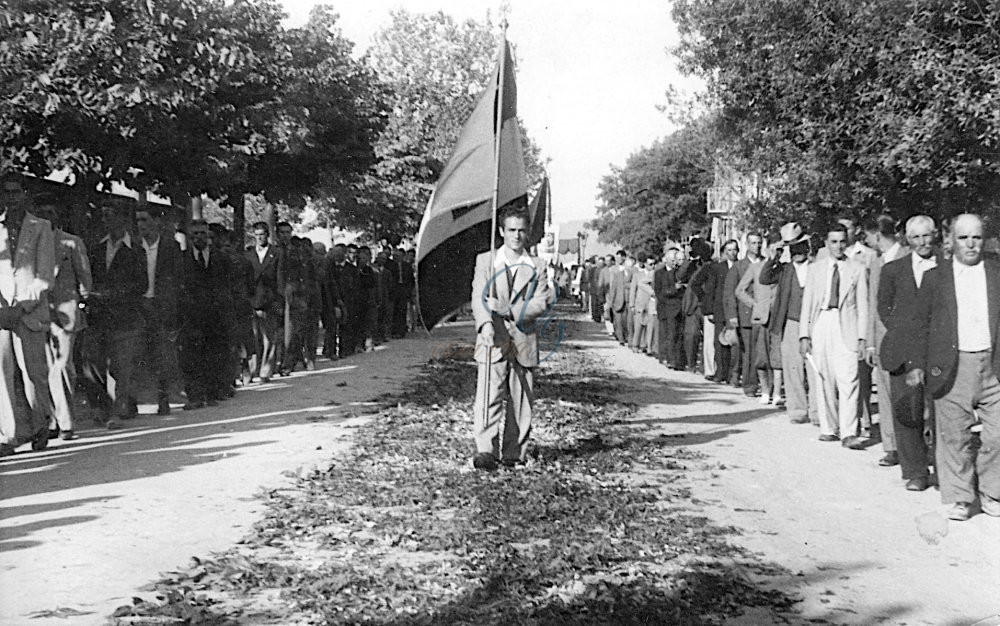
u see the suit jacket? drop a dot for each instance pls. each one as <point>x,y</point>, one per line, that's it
<point>344,286</point>
<point>642,288</point>
<point>691,302</point>
<point>734,308</point>
<point>853,306</point>
<point>754,295</point>
<point>935,342</point>
<point>167,280</point>
<point>119,287</point>
<point>877,331</point>
<point>782,276</point>
<point>267,279</point>
<point>619,279</point>
<point>33,262</point>
<point>72,282</point>
<point>205,293</point>
<point>668,297</point>
<point>710,288</point>
<point>517,338</point>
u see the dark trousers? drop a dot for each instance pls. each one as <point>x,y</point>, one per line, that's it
<point>910,443</point>
<point>399,304</point>
<point>105,351</point>
<point>159,347</point>
<point>669,341</point>
<point>204,357</point>
<point>597,308</point>
<point>747,352</point>
<point>692,338</point>
<point>723,354</point>
<point>618,320</point>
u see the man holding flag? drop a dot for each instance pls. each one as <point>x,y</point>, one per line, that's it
<point>510,292</point>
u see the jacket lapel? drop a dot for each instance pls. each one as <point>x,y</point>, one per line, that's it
<point>992,296</point>
<point>950,297</point>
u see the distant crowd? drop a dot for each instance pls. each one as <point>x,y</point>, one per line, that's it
<point>190,313</point>
<point>814,323</point>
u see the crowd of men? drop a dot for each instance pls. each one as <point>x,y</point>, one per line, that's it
<point>815,323</point>
<point>187,308</point>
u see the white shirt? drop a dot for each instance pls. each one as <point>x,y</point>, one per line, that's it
<point>201,256</point>
<point>890,254</point>
<point>501,263</point>
<point>973,309</point>
<point>7,285</point>
<point>824,303</point>
<point>151,252</point>
<point>111,249</point>
<point>261,253</point>
<point>801,271</point>
<point>921,265</point>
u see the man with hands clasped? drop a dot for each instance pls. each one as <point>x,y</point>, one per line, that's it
<point>508,298</point>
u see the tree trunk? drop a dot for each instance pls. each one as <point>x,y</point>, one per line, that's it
<point>238,202</point>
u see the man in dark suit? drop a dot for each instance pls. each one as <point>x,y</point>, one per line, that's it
<point>710,289</point>
<point>118,266</point>
<point>206,306</point>
<point>619,283</point>
<point>596,290</point>
<point>739,316</point>
<point>267,302</point>
<point>898,283</point>
<point>669,299</point>
<point>159,329</point>
<point>790,278</point>
<point>957,355</point>
<point>344,282</point>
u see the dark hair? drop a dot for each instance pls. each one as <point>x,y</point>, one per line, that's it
<point>846,215</point>
<point>364,249</point>
<point>256,225</point>
<point>729,241</point>
<point>621,253</point>
<point>154,211</point>
<point>199,223</point>
<point>47,198</point>
<point>281,225</point>
<point>835,227</point>
<point>512,210</point>
<point>217,228</point>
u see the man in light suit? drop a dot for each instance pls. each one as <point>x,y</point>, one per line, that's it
<point>27,270</point>
<point>642,292</point>
<point>72,283</point>
<point>508,298</point>
<point>899,282</point>
<point>880,234</point>
<point>833,328</point>
<point>956,353</point>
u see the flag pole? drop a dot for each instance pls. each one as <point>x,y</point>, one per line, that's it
<point>497,128</point>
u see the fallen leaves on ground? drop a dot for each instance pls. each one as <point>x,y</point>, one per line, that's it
<point>594,529</point>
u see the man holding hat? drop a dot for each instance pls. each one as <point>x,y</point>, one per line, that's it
<point>788,269</point>
<point>27,271</point>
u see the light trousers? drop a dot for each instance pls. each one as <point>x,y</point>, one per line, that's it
<point>798,402</point>
<point>708,347</point>
<point>976,392</point>
<point>838,368</point>
<point>511,382</point>
<point>62,374</point>
<point>886,425</point>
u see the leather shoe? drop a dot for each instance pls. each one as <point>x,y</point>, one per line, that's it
<point>829,438</point>
<point>484,461</point>
<point>853,443</point>
<point>6,449</point>
<point>917,484</point>
<point>960,511</point>
<point>68,435</point>
<point>890,459</point>
<point>990,506</point>
<point>41,439</point>
<point>511,463</point>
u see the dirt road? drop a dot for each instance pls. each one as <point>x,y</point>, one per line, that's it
<point>86,523</point>
<point>855,545</point>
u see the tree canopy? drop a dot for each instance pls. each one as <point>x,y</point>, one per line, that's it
<point>659,193</point>
<point>872,105</point>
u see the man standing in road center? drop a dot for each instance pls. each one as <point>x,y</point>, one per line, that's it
<point>508,298</point>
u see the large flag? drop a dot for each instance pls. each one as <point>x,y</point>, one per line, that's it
<point>539,212</point>
<point>456,225</point>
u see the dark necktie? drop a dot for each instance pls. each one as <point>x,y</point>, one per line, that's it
<point>510,282</point>
<point>835,288</point>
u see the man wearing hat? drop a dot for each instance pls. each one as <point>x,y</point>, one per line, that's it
<point>790,278</point>
<point>27,271</point>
